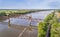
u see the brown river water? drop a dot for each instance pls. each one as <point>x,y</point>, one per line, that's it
<point>18,25</point>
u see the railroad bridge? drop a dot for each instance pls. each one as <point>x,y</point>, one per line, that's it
<point>30,18</point>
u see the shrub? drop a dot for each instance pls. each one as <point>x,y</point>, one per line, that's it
<point>43,26</point>
<point>2,14</point>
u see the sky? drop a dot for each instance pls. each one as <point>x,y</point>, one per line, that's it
<point>29,4</point>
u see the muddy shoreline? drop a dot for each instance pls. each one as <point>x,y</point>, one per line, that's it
<point>10,16</point>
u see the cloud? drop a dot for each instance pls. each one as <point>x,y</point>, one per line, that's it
<point>54,4</point>
<point>29,4</point>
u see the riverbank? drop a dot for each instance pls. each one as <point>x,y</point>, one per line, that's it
<point>10,16</point>
<point>3,16</point>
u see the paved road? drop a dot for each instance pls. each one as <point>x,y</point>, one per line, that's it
<point>13,32</point>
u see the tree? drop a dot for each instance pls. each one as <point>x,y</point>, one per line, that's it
<point>43,26</point>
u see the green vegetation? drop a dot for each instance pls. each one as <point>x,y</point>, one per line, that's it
<point>42,29</point>
<point>49,17</point>
<point>14,13</point>
<point>43,26</point>
<point>55,26</point>
<point>4,12</point>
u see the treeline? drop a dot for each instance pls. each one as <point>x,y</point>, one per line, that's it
<point>53,21</point>
<point>5,12</point>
